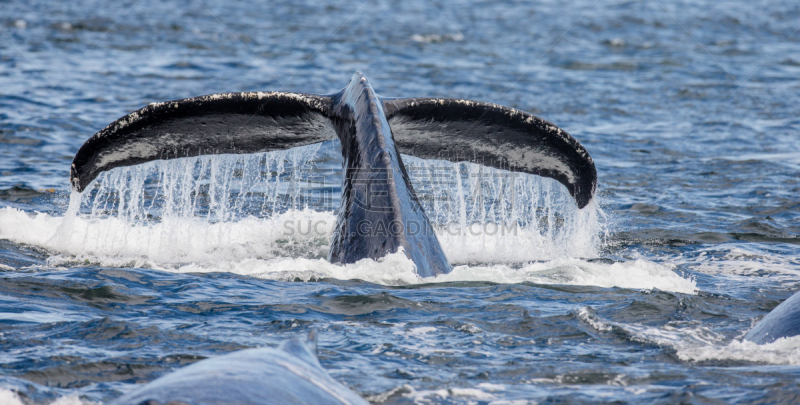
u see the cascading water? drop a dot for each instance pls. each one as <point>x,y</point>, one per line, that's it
<point>214,188</point>
<point>277,205</point>
<point>487,215</point>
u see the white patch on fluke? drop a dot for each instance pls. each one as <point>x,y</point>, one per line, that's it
<point>131,150</point>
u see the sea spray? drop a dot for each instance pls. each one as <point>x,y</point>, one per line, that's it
<point>272,215</point>
<point>201,209</point>
<point>213,188</point>
<point>488,215</point>
<point>481,214</point>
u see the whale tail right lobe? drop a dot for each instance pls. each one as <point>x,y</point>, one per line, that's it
<point>491,135</point>
<point>429,128</point>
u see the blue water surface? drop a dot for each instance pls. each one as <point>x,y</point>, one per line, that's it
<point>689,109</point>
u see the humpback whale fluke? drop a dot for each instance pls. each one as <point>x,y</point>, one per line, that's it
<point>377,193</point>
<point>289,374</point>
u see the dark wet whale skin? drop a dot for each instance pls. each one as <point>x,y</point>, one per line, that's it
<point>289,374</point>
<point>781,322</point>
<point>380,212</point>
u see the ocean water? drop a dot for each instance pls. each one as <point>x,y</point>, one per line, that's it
<point>689,109</point>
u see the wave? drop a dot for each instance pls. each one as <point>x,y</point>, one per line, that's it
<point>695,343</point>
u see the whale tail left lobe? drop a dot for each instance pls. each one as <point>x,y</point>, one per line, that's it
<point>215,124</point>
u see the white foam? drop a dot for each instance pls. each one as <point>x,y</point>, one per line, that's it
<point>637,274</point>
<point>393,269</point>
<point>694,342</point>
<point>488,215</point>
<point>500,243</point>
<point>587,315</point>
<point>422,330</point>
<point>436,396</point>
<point>426,39</point>
<point>41,317</point>
<point>266,248</point>
<point>782,351</point>
<point>258,215</point>
<point>741,260</point>
<point>72,400</point>
<point>483,393</point>
<point>8,397</point>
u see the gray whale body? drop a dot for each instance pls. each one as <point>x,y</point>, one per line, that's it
<point>380,212</point>
<point>783,321</point>
<point>290,374</point>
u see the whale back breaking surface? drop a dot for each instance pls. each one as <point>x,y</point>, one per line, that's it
<point>290,374</point>
<point>380,212</point>
<point>783,321</point>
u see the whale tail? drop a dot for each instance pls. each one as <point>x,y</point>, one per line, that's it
<point>429,128</point>
<point>380,211</point>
